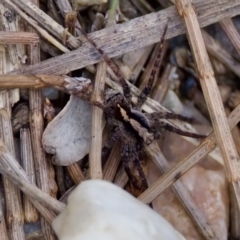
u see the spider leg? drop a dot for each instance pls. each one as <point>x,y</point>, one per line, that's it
<point>141,174</point>
<point>113,66</point>
<point>168,115</point>
<point>179,131</point>
<point>133,180</point>
<point>130,158</point>
<point>147,89</point>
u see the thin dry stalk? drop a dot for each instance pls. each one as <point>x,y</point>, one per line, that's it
<point>141,8</point>
<point>3,230</point>
<point>160,90</point>
<point>18,38</point>
<point>121,178</point>
<point>95,161</point>
<point>132,35</point>
<point>76,173</point>
<point>43,168</point>
<point>60,180</point>
<point>112,163</point>
<point>232,32</point>
<point>30,212</point>
<point>15,53</point>
<point>80,87</point>
<point>12,170</point>
<point>212,98</point>
<point>42,32</point>
<point>147,5</point>
<point>216,50</point>
<point>2,98</point>
<point>12,193</point>
<point>185,164</point>
<point>181,193</point>
<point>140,64</point>
<point>44,20</point>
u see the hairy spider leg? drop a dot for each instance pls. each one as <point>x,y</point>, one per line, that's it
<point>171,128</point>
<point>147,89</point>
<point>168,115</point>
<point>130,158</point>
<point>113,66</point>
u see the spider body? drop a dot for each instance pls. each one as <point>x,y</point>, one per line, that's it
<point>132,127</point>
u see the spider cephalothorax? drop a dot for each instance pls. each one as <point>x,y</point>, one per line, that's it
<point>133,127</point>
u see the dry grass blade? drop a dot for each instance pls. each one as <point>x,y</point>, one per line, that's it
<point>216,50</point>
<point>232,33</point>
<point>43,19</point>
<point>76,173</point>
<point>95,162</point>
<point>184,164</point>
<point>44,33</point>
<point>3,230</point>
<point>80,87</point>
<point>11,168</point>
<point>212,97</point>
<point>30,213</point>
<point>112,163</point>
<point>132,35</point>
<point>12,193</point>
<point>121,178</point>
<point>18,38</point>
<point>181,193</point>
<point>44,169</point>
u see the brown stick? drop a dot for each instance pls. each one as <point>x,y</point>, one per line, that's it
<point>11,168</point>
<point>185,164</point>
<point>232,33</point>
<point>42,166</point>
<point>133,35</point>
<point>30,213</point>
<point>80,87</point>
<point>212,95</point>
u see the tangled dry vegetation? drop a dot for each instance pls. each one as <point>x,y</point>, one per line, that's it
<point>58,142</point>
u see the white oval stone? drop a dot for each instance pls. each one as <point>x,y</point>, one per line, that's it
<point>100,210</point>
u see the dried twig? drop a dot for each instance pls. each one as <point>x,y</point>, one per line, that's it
<point>95,162</point>
<point>43,168</point>
<point>76,173</point>
<point>132,35</point>
<point>232,33</point>
<point>11,168</point>
<point>181,193</point>
<point>18,38</point>
<point>80,87</point>
<point>12,193</point>
<point>112,163</point>
<point>121,178</point>
<point>213,99</point>
<point>44,20</point>
<point>185,164</point>
<point>44,33</point>
<point>30,213</point>
<point>216,50</point>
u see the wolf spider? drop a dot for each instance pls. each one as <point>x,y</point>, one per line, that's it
<point>133,127</point>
